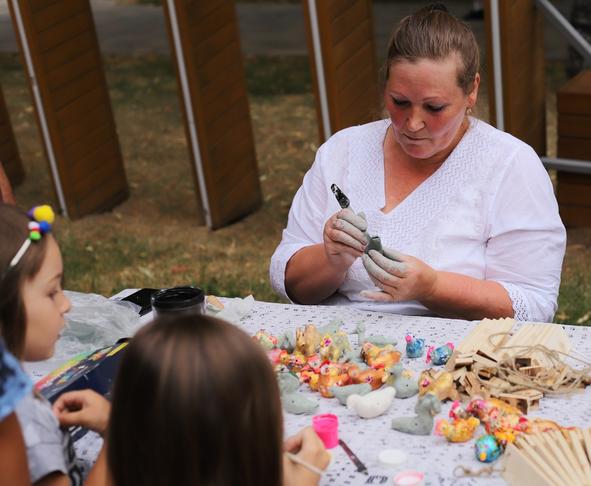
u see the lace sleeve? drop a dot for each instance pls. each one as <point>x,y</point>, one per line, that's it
<point>518,301</point>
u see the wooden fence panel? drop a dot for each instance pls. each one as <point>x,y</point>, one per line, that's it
<point>342,54</point>
<point>9,156</point>
<point>206,47</point>
<point>573,101</point>
<point>522,64</point>
<point>60,49</point>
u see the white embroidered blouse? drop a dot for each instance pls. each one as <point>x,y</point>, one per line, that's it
<point>488,212</point>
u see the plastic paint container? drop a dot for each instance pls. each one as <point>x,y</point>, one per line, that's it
<point>409,478</point>
<point>178,301</point>
<point>327,428</point>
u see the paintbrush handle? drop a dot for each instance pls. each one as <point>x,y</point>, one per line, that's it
<point>292,457</point>
<point>360,466</point>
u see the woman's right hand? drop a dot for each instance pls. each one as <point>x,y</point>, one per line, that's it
<point>308,447</point>
<point>345,238</point>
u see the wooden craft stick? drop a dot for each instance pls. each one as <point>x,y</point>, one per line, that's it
<point>580,453</point>
<point>587,440</point>
<point>549,456</point>
<point>569,453</point>
<point>532,454</point>
<point>561,458</point>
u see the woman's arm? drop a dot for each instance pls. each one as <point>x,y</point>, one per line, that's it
<point>309,276</point>
<point>464,297</point>
<point>316,272</point>
<point>403,277</point>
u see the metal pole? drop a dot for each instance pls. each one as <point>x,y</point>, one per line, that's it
<point>497,68</point>
<point>197,162</point>
<point>38,103</point>
<point>568,165</point>
<point>319,68</point>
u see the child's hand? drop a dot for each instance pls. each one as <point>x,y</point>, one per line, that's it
<point>308,447</point>
<point>85,408</point>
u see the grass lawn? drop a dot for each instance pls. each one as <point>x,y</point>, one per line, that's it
<point>151,239</point>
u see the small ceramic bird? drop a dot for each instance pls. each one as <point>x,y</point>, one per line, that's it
<point>341,393</point>
<point>415,347</point>
<point>404,381</point>
<point>440,356</point>
<point>373,404</point>
<point>427,407</point>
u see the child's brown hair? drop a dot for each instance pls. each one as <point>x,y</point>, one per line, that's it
<point>195,402</point>
<point>14,230</point>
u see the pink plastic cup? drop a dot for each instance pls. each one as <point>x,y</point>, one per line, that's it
<point>327,428</point>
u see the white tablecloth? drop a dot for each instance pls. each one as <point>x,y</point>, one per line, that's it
<point>432,455</point>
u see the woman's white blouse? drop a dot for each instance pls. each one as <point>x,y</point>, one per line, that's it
<point>488,212</point>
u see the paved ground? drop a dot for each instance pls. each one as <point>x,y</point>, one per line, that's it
<point>265,28</point>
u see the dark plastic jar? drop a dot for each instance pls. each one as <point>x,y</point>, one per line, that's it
<point>178,301</point>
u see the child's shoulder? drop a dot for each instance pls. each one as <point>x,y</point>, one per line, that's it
<point>14,383</point>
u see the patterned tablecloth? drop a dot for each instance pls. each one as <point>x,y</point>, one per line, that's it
<point>432,455</point>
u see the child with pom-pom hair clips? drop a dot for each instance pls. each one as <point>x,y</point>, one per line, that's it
<point>32,309</point>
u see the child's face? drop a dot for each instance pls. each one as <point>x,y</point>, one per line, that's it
<point>45,306</point>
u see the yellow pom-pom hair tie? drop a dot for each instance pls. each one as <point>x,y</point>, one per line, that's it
<point>42,217</point>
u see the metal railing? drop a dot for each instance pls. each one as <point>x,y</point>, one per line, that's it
<point>574,38</point>
<point>577,41</point>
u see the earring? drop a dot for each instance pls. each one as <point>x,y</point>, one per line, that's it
<point>468,111</point>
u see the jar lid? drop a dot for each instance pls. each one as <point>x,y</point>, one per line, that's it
<point>392,458</point>
<point>178,298</point>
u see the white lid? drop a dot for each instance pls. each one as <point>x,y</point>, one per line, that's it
<point>390,458</point>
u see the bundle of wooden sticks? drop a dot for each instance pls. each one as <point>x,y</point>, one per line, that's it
<point>551,458</point>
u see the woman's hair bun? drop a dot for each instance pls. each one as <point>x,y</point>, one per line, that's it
<point>436,7</point>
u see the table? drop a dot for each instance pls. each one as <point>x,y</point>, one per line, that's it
<point>431,454</point>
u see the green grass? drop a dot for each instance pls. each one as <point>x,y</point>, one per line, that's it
<point>152,239</point>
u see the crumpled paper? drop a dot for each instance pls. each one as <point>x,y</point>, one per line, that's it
<point>234,309</point>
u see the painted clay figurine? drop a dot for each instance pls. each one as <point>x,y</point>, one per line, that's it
<point>439,356</point>
<point>341,393</point>
<point>334,346</point>
<point>439,383</point>
<point>380,357</point>
<point>373,404</point>
<point>459,430</point>
<point>266,340</point>
<point>415,347</point>
<point>427,407</point>
<point>404,381</point>
<point>331,374</point>
<point>292,401</point>
<point>487,449</point>
<point>375,378</point>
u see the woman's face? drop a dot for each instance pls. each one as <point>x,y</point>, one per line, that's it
<point>426,105</point>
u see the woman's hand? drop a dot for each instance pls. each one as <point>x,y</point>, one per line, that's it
<point>401,277</point>
<point>345,238</point>
<point>85,408</point>
<point>307,446</point>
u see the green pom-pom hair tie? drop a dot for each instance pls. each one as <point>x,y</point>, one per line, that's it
<point>42,218</point>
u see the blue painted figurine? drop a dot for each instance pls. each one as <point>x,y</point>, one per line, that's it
<point>440,356</point>
<point>414,347</point>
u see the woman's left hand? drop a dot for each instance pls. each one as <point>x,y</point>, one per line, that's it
<point>85,408</point>
<point>401,277</point>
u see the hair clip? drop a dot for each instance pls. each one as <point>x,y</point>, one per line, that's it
<point>42,218</point>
